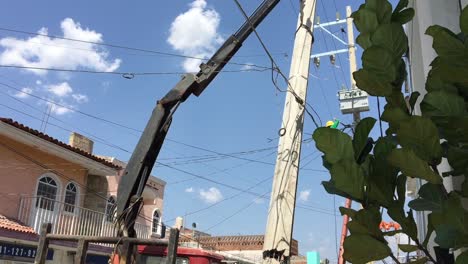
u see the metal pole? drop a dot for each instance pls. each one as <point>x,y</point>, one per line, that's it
<point>278,236</point>
<point>356,116</point>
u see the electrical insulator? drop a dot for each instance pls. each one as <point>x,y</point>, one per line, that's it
<point>333,59</point>
<point>337,16</point>
<point>317,61</point>
<point>317,20</point>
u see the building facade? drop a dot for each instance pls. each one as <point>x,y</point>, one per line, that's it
<point>47,181</point>
<point>248,247</point>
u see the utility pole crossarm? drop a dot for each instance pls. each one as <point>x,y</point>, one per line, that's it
<point>278,235</point>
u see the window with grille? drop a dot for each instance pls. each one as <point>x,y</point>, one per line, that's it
<point>110,208</point>
<point>70,198</point>
<point>46,193</point>
<point>155,222</point>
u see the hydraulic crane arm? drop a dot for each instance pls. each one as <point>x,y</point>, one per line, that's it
<point>146,152</point>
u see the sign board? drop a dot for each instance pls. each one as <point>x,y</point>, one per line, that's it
<point>12,251</point>
<point>313,258</point>
<point>353,101</point>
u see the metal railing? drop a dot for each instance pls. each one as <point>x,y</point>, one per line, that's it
<point>69,219</point>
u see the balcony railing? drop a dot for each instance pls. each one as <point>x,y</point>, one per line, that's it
<point>68,219</point>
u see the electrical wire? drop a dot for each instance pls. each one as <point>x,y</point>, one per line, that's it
<point>334,43</point>
<point>127,75</point>
<point>124,47</point>
<point>275,67</point>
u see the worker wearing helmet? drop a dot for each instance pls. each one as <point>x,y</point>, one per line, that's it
<point>332,124</point>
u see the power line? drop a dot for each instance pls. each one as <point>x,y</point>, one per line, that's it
<point>334,43</point>
<point>225,199</point>
<point>234,214</point>
<point>127,75</point>
<point>276,68</point>
<point>122,47</point>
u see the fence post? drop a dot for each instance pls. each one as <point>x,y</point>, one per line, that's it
<point>43,246</point>
<point>172,248</point>
<point>80,257</point>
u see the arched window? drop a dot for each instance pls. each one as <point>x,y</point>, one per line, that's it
<point>110,208</point>
<point>70,198</point>
<point>155,222</point>
<point>46,193</point>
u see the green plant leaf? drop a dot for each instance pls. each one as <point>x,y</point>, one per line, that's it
<point>331,189</point>
<point>363,249</point>
<point>465,187</point>
<point>335,144</point>
<point>458,159</point>
<point>446,43</point>
<point>463,257</point>
<point>434,83</point>
<point>413,98</point>
<point>382,8</point>
<point>365,20</point>
<point>380,62</point>
<point>391,37</point>
<point>421,135</point>
<point>348,177</point>
<point>394,116</point>
<point>412,166</point>
<point>361,135</point>
<point>347,211</point>
<point>464,23</point>
<point>449,224</point>
<point>401,189</point>
<point>431,198</point>
<point>442,103</point>
<point>404,16</point>
<point>455,129</point>
<point>370,218</point>
<point>392,233</point>
<point>382,176</point>
<point>364,40</point>
<point>402,4</point>
<point>446,235</point>
<point>373,85</point>
<point>407,248</point>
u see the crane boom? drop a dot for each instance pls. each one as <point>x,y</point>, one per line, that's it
<point>146,152</point>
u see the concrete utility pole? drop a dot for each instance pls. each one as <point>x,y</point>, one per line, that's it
<point>279,228</point>
<point>356,116</point>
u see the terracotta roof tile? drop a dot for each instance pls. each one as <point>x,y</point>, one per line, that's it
<point>13,225</point>
<point>57,142</point>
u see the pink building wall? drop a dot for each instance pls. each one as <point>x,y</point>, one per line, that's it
<point>19,176</point>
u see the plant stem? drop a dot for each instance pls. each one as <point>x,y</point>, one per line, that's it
<point>426,252</point>
<point>395,259</point>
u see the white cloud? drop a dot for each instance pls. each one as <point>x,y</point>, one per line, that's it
<point>189,190</point>
<point>195,33</point>
<point>45,52</point>
<point>212,195</point>
<point>304,195</point>
<point>59,110</point>
<point>80,98</point>
<point>60,90</point>
<point>25,93</point>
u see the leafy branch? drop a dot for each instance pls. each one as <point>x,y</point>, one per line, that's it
<point>374,172</point>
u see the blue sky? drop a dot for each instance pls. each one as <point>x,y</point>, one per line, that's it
<point>238,112</point>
